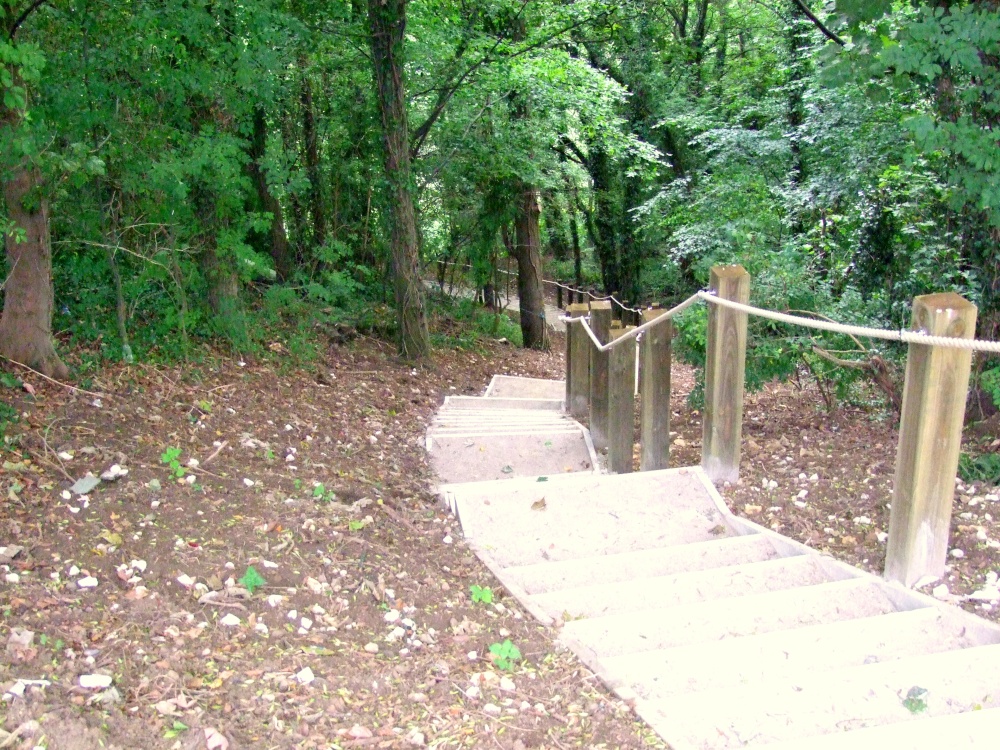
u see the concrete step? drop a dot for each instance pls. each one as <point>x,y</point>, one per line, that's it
<point>819,702</point>
<point>719,620</point>
<point>467,457</point>
<point>507,386</point>
<point>552,576</point>
<point>527,522</point>
<point>964,731</point>
<point>497,403</point>
<point>791,653</point>
<point>729,582</point>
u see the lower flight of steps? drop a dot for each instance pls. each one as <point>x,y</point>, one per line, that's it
<point>723,633</point>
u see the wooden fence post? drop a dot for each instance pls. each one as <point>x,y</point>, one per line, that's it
<point>600,324</point>
<point>621,404</point>
<point>578,347</point>
<point>725,361</point>
<point>930,438</point>
<point>654,384</point>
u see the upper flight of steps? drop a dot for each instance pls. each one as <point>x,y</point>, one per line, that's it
<point>723,633</point>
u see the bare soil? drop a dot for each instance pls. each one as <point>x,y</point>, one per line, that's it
<point>319,481</point>
<point>364,632</point>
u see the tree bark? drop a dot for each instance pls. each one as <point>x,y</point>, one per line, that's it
<point>312,163</point>
<point>527,251</point>
<point>556,226</point>
<point>387,27</point>
<point>281,251</point>
<point>26,323</point>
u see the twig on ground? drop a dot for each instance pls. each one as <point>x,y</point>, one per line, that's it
<point>53,380</point>
<point>216,452</point>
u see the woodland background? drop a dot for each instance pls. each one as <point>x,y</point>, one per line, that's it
<point>183,173</point>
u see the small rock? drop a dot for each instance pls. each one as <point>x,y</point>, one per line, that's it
<point>473,692</point>
<point>940,591</point>
<point>371,648</point>
<point>491,709</point>
<point>392,615</point>
<point>416,738</point>
<point>957,553</point>
<point>273,600</point>
<point>417,697</point>
<point>185,580</point>
<point>305,676</point>
<point>95,681</point>
<point>248,482</point>
<point>448,539</point>
<point>507,684</point>
<point>230,621</point>
<point>12,578</point>
<point>87,583</point>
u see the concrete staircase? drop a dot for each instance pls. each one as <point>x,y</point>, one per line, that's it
<point>723,633</point>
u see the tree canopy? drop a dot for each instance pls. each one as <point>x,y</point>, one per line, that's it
<point>178,172</point>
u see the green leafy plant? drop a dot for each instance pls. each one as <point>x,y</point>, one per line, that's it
<point>481,594</point>
<point>916,700</point>
<point>322,495</point>
<point>175,729</point>
<point>505,654</point>
<point>252,580</point>
<point>984,467</point>
<point>171,458</point>
<point>355,525</point>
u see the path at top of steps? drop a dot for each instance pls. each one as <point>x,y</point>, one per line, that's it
<point>722,634</point>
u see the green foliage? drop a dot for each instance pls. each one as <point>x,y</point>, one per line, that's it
<point>252,580</point>
<point>505,655</point>
<point>322,495</point>
<point>984,467</point>
<point>171,458</point>
<point>481,594</point>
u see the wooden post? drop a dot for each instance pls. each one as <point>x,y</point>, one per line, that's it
<point>654,384</point>
<point>621,404</point>
<point>559,297</point>
<point>930,437</point>
<point>600,323</point>
<point>578,346</point>
<point>725,361</point>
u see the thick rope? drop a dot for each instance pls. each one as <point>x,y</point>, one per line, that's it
<point>663,317</point>
<point>909,337</point>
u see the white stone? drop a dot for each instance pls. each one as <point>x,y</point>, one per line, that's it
<point>95,681</point>
<point>371,648</point>
<point>230,621</point>
<point>305,676</point>
<point>87,583</point>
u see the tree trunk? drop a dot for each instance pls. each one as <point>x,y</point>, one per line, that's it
<point>312,163</point>
<point>527,251</point>
<point>26,323</point>
<point>387,27</point>
<point>556,226</point>
<point>281,251</point>
<point>574,229</point>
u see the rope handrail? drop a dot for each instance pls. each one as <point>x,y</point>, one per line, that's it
<point>664,316</point>
<point>904,336</point>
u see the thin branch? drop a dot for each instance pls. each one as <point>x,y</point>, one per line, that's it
<point>819,24</point>
<point>24,17</point>
<point>53,380</point>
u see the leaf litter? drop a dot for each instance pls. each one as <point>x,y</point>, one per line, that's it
<point>218,598</point>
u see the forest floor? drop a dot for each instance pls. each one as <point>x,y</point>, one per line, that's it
<point>134,607</point>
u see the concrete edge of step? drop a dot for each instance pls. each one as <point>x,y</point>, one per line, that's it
<point>902,597</point>
<point>513,588</point>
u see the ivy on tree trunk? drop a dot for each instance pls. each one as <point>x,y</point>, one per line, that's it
<point>387,26</point>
